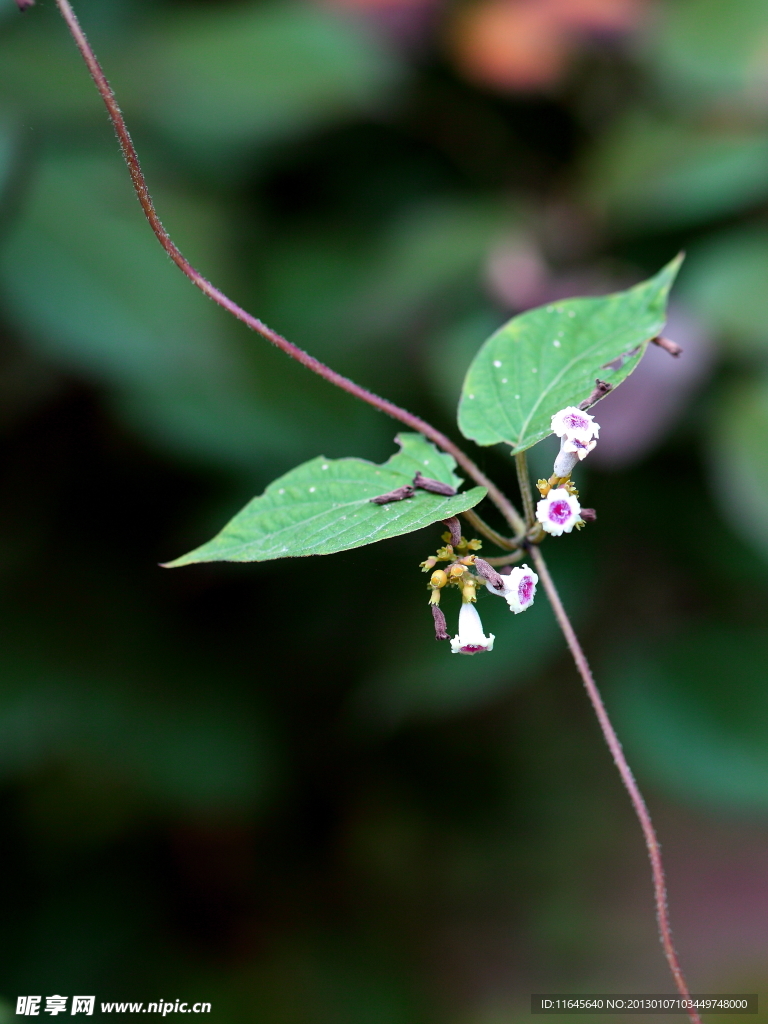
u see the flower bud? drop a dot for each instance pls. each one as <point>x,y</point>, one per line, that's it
<point>399,494</point>
<point>425,483</point>
<point>493,580</point>
<point>454,528</point>
<point>441,626</point>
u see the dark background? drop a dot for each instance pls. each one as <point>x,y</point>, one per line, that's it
<point>267,786</point>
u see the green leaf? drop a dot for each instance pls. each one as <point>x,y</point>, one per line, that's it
<point>548,358</point>
<point>325,506</point>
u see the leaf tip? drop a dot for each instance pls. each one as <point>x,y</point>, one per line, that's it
<point>176,562</point>
<point>672,268</point>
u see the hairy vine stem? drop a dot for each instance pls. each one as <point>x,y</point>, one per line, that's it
<point>638,803</point>
<point>502,502</point>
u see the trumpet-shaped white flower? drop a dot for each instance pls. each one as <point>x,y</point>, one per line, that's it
<point>519,588</point>
<point>559,512</point>
<point>574,424</point>
<point>471,639</point>
<point>579,447</point>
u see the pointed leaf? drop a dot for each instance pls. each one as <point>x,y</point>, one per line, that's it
<point>548,358</point>
<point>325,506</point>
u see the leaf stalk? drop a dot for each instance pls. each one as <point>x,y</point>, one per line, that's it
<point>524,480</point>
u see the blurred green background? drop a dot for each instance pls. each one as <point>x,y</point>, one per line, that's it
<point>266,786</point>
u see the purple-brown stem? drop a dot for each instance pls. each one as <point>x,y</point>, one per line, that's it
<point>669,346</point>
<point>499,499</point>
<point>638,803</point>
<point>602,388</point>
<point>504,505</point>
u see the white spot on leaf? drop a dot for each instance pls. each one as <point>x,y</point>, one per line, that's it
<point>312,490</point>
<point>497,363</point>
<point>556,343</point>
<point>503,380</point>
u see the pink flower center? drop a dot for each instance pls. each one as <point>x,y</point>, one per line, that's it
<point>525,590</point>
<point>472,649</point>
<point>576,422</point>
<point>559,512</point>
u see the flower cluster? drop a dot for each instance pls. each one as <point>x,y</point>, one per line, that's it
<point>467,572</point>
<point>578,434</point>
<point>559,510</point>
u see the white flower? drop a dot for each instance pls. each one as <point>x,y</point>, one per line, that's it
<point>559,512</point>
<point>574,424</point>
<point>519,588</point>
<point>471,639</point>
<point>579,447</point>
